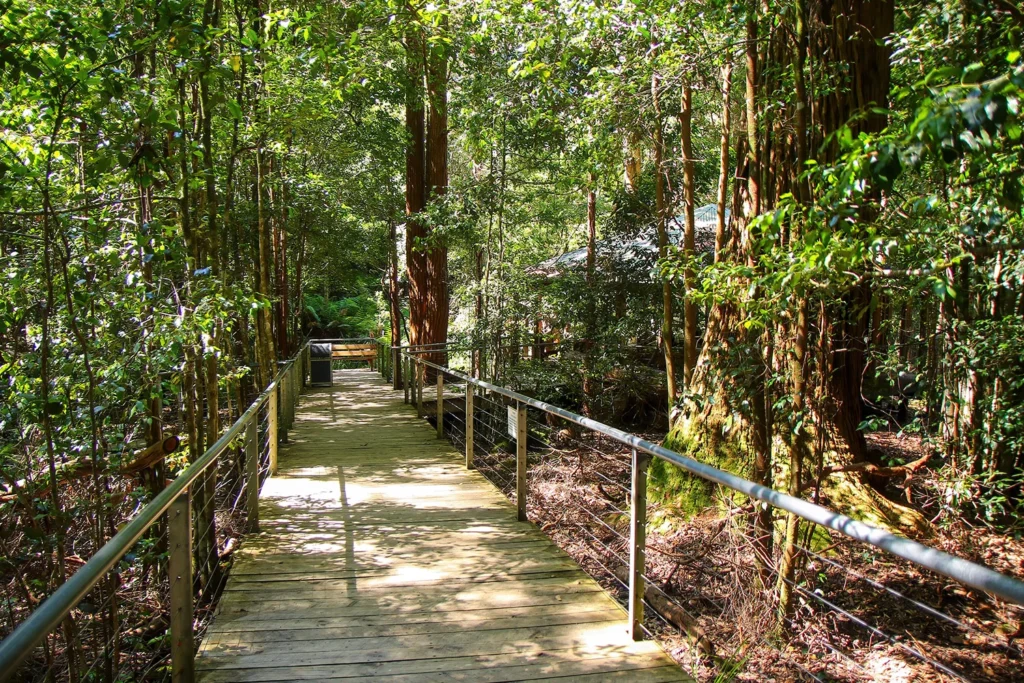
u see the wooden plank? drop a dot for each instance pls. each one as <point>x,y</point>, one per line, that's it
<point>556,669</point>
<point>289,566</point>
<point>369,617</point>
<point>358,628</point>
<point>599,636</point>
<point>320,606</point>
<point>416,577</point>
<point>373,577</point>
<point>552,661</point>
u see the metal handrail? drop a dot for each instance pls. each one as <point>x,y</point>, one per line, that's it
<point>16,647</point>
<point>966,572</point>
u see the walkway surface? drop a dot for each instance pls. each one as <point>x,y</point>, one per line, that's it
<point>382,558</point>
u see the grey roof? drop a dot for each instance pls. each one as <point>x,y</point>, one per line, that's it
<point>640,249</point>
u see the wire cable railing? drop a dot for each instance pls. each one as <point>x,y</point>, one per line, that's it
<point>510,438</point>
<point>138,608</point>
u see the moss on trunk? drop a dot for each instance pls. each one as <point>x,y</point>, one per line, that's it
<point>715,435</point>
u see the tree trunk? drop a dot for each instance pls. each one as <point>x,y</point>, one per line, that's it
<point>723,167</point>
<point>591,322</point>
<point>394,301</point>
<point>264,333</point>
<point>436,319</point>
<point>798,356</point>
<point>415,188</point>
<point>634,160</point>
<point>689,246</point>
<point>281,260</point>
<point>661,215</point>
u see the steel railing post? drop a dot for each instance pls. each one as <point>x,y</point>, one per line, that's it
<point>179,571</point>
<point>272,432</point>
<point>469,425</point>
<point>440,404</point>
<point>418,371</point>
<point>282,407</point>
<point>521,462</point>
<point>296,389</point>
<point>292,394</point>
<point>637,543</point>
<point>406,384</point>
<point>252,476</point>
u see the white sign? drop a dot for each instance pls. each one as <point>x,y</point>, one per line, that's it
<point>513,421</point>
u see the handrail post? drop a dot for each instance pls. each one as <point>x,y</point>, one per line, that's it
<point>296,389</point>
<point>252,477</point>
<point>282,402</point>
<point>418,371</point>
<point>396,365</point>
<point>282,406</point>
<point>304,360</point>
<point>521,462</point>
<point>272,431</point>
<point>637,543</point>
<point>469,426</point>
<point>440,404</point>
<point>406,384</point>
<point>179,571</point>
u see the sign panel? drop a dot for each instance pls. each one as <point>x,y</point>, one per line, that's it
<point>513,421</point>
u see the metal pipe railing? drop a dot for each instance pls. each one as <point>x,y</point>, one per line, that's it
<point>964,571</point>
<point>30,633</point>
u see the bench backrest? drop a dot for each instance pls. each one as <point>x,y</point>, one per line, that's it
<point>367,351</point>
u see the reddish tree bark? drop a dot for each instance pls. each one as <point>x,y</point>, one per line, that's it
<point>860,29</point>
<point>415,190</point>
<point>436,318</point>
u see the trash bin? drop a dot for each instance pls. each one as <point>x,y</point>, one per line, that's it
<point>320,365</point>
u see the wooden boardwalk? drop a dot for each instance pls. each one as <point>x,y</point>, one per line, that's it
<point>382,558</point>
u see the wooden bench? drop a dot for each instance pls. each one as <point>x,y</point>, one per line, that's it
<point>355,352</point>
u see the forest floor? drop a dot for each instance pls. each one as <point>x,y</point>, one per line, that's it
<point>859,614</point>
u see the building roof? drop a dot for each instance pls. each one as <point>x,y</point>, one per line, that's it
<point>639,250</point>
